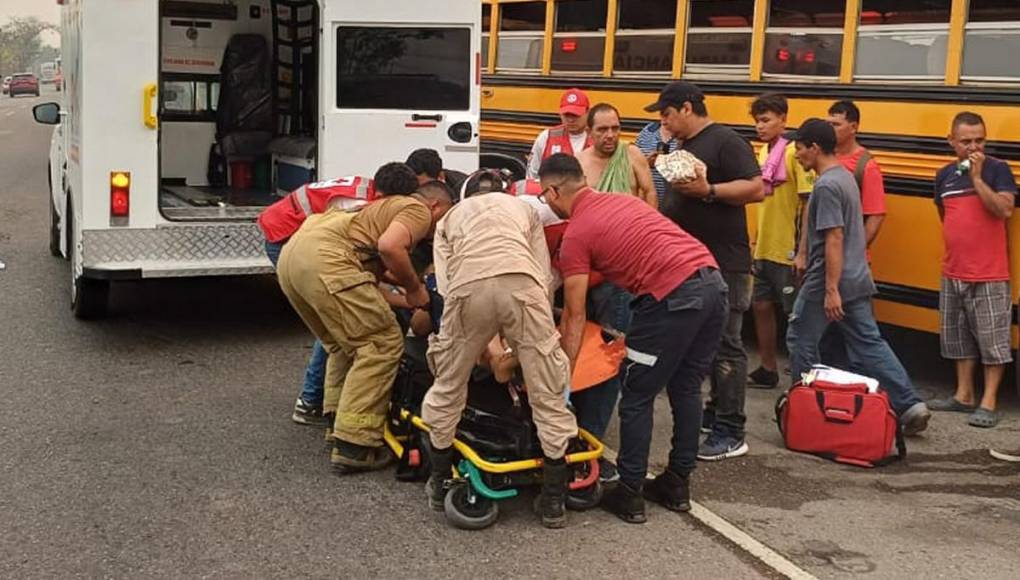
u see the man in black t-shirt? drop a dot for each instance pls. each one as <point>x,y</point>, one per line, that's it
<point>711,208</point>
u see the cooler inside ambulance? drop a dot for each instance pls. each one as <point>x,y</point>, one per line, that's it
<point>257,97</point>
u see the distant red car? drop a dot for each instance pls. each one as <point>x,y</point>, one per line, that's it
<point>24,84</point>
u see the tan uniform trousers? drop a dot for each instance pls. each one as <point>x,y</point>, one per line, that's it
<point>516,306</point>
<point>340,303</point>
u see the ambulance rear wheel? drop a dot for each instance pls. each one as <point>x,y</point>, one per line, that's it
<point>89,296</point>
<point>54,229</point>
<point>468,510</point>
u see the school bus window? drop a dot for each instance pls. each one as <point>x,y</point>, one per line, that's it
<point>719,38</point>
<point>579,40</point>
<point>486,25</point>
<point>404,68</point>
<point>992,41</point>
<point>645,34</point>
<point>804,38</point>
<point>905,39</point>
<point>521,36</point>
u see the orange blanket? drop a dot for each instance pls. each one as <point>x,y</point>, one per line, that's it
<point>597,361</point>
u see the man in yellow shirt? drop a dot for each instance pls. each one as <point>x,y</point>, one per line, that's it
<point>787,186</point>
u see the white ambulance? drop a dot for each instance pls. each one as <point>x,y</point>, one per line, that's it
<point>181,120</point>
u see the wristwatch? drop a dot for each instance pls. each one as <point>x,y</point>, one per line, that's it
<point>710,198</point>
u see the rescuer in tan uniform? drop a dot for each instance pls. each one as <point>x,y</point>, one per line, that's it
<point>330,271</point>
<point>492,267</point>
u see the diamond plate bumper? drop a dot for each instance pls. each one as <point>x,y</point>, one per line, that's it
<point>178,250</point>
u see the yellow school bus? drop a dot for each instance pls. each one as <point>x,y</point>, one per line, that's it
<point>909,65</point>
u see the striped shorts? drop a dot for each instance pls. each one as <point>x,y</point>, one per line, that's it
<point>975,321</point>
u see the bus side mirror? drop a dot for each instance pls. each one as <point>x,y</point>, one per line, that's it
<point>47,113</point>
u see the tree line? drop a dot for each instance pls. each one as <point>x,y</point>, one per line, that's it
<point>21,45</point>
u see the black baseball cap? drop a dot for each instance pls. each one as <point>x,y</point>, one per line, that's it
<point>814,131</point>
<point>675,95</point>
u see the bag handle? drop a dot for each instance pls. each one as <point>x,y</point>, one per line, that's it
<point>835,414</point>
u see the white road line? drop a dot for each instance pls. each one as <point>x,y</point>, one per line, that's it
<point>742,539</point>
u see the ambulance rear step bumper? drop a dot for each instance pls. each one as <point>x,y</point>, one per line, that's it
<point>222,249</point>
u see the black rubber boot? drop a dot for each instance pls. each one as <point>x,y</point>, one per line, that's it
<point>441,461</point>
<point>626,503</point>
<point>551,503</point>
<point>670,490</point>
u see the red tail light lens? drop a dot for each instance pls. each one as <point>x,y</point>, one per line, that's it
<point>120,194</point>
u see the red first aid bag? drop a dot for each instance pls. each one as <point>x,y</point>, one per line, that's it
<point>841,422</point>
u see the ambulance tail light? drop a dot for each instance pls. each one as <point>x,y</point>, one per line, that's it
<point>120,194</point>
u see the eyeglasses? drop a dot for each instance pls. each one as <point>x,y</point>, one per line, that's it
<point>543,197</point>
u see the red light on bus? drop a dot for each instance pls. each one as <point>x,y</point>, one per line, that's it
<point>808,56</point>
<point>568,46</point>
<point>783,55</point>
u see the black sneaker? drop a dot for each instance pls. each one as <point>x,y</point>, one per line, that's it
<point>670,490</point>
<point>762,378</point>
<point>607,471</point>
<point>308,414</point>
<point>626,503</point>
<point>718,447</point>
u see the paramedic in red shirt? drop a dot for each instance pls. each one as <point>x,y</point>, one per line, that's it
<point>678,316</point>
<point>975,196</point>
<point>570,136</point>
<point>278,223</point>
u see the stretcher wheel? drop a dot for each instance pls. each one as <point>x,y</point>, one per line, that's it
<point>585,498</point>
<point>468,510</point>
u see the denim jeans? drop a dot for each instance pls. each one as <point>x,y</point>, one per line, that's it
<point>671,344</point>
<point>315,372</point>
<point>729,371</point>
<point>868,352</point>
<point>610,306</point>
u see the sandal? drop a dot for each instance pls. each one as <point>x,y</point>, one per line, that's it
<point>984,418</point>
<point>950,404</point>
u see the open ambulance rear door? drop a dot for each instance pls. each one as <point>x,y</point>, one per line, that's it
<point>396,76</point>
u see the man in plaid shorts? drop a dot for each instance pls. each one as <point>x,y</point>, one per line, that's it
<point>975,196</point>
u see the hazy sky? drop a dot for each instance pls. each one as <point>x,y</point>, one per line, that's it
<point>46,10</point>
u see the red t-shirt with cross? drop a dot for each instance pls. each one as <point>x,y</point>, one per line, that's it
<point>976,246</point>
<point>634,246</point>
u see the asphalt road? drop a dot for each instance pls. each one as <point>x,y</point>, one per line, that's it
<point>157,443</point>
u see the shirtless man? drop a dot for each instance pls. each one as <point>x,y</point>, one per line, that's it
<point>608,168</point>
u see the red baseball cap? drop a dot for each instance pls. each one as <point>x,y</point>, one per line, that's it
<point>574,102</point>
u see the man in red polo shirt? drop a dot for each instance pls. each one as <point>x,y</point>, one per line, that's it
<point>678,316</point>
<point>570,136</point>
<point>975,196</point>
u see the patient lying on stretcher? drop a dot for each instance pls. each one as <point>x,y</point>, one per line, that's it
<point>498,357</point>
